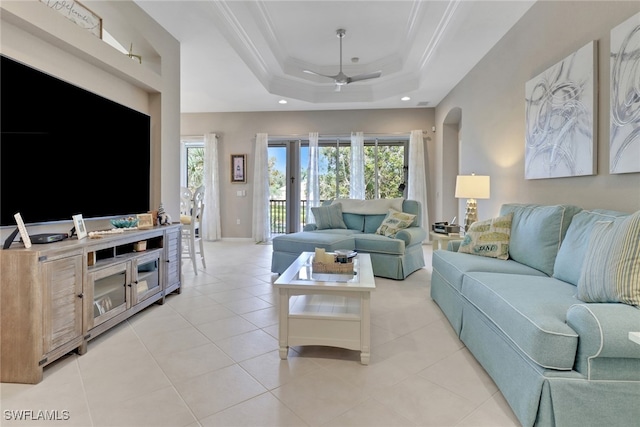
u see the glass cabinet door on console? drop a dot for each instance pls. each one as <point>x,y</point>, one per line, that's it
<point>146,277</point>
<point>109,288</point>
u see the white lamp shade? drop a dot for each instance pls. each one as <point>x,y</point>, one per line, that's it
<point>473,187</point>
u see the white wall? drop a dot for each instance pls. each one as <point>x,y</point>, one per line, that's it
<point>491,99</point>
<point>237,131</point>
<point>38,36</point>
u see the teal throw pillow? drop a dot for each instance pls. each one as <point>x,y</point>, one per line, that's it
<point>328,216</point>
<point>611,268</point>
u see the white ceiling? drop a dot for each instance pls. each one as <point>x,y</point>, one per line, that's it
<point>248,55</point>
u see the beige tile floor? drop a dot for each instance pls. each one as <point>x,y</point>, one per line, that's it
<point>209,357</point>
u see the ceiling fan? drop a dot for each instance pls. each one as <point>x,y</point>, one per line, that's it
<point>341,78</point>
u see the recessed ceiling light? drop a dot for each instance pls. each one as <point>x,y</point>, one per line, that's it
<point>405,98</point>
<point>282,101</point>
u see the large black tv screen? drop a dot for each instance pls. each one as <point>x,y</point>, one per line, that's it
<point>67,151</point>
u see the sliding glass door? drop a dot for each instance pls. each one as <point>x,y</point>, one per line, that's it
<point>385,171</point>
<point>288,162</point>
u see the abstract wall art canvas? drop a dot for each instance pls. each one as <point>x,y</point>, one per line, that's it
<point>624,130</point>
<point>560,131</point>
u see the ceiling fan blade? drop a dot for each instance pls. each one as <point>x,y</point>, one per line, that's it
<point>367,76</point>
<point>318,74</point>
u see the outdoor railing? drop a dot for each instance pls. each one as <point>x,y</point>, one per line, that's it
<point>278,215</point>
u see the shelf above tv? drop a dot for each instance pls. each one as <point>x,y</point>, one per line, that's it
<point>38,19</point>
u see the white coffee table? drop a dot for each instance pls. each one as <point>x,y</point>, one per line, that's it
<point>326,309</point>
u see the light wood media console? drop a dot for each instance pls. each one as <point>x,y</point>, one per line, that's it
<point>56,297</point>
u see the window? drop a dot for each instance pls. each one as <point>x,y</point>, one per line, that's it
<point>192,163</point>
<point>385,165</point>
<point>385,168</point>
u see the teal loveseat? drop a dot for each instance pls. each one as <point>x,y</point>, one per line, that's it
<point>557,359</point>
<point>391,257</point>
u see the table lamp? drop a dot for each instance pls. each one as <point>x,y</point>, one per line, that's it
<point>472,187</point>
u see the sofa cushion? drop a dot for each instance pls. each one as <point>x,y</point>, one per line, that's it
<point>353,221</point>
<point>328,216</point>
<point>530,311</point>
<point>611,271</point>
<point>369,207</point>
<point>453,266</point>
<point>537,231</point>
<point>306,241</point>
<point>372,222</point>
<point>394,222</point>
<point>375,243</point>
<point>488,238</point>
<point>570,258</point>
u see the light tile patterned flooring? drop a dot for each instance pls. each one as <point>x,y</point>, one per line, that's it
<point>209,357</point>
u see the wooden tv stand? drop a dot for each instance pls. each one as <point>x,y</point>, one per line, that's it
<point>56,297</point>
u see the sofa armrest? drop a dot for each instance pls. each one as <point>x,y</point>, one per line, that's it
<point>604,338</point>
<point>309,227</point>
<point>412,235</point>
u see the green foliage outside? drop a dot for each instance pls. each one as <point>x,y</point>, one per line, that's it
<point>195,167</point>
<point>390,174</point>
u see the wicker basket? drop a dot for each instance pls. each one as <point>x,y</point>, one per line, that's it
<point>335,268</point>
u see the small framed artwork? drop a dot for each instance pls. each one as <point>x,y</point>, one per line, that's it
<point>145,221</point>
<point>78,223</point>
<point>23,231</point>
<point>238,168</point>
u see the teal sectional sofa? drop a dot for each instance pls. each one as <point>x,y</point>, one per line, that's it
<point>355,229</point>
<point>557,347</point>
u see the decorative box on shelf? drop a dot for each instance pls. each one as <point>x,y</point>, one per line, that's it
<point>140,246</point>
<point>445,228</point>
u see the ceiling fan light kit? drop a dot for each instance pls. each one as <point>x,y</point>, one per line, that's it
<point>341,78</point>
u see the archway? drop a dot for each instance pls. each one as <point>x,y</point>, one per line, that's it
<point>451,136</point>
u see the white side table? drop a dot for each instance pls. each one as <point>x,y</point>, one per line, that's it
<point>440,240</point>
<point>635,337</point>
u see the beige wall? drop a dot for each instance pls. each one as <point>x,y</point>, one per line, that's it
<point>34,34</point>
<point>491,102</point>
<point>236,135</point>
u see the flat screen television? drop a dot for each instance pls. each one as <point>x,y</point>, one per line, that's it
<point>67,151</point>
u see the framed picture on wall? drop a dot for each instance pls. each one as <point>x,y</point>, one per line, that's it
<point>238,168</point>
<point>560,125</point>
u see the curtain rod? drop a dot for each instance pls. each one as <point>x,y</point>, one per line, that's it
<point>343,135</point>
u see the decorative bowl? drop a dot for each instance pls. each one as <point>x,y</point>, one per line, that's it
<point>125,222</point>
<point>346,252</point>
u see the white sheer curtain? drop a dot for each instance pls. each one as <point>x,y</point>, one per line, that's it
<point>261,231</point>
<point>418,174</point>
<point>211,181</point>
<point>356,185</point>
<point>313,179</point>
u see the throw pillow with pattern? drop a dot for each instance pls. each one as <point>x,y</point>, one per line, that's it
<point>611,268</point>
<point>488,238</point>
<point>394,222</point>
